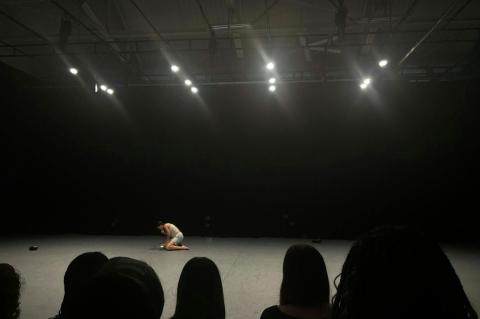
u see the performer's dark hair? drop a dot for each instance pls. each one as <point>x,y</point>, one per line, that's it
<point>396,272</point>
<point>305,279</point>
<point>200,291</point>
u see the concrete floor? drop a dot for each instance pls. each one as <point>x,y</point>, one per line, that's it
<point>251,269</point>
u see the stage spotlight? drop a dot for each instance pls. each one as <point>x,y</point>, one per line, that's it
<point>367,81</point>
<point>270,66</point>
<point>194,90</point>
<point>174,68</point>
<point>188,82</point>
<point>110,91</point>
<point>272,88</point>
<point>272,80</point>
<point>383,63</point>
<point>96,88</point>
<point>74,71</point>
<point>103,87</point>
<point>363,86</point>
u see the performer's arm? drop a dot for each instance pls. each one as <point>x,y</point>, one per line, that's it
<point>167,234</point>
<point>167,231</point>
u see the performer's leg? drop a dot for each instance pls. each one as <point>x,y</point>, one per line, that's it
<point>176,243</point>
<point>173,246</point>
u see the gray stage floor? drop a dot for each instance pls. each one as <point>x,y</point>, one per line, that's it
<point>250,268</point>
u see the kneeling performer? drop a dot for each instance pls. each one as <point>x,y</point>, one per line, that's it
<point>174,237</point>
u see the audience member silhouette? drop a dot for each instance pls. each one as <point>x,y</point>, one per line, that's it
<point>396,272</point>
<point>9,292</point>
<point>305,290</point>
<point>124,288</point>
<point>200,291</point>
<point>80,270</point>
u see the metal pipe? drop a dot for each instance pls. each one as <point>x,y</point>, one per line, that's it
<point>457,12</point>
<point>255,82</point>
<point>159,35</point>
<point>429,32</point>
<point>120,41</point>
<point>343,71</point>
<point>38,35</point>
<point>409,11</point>
<point>204,15</point>
<point>14,48</point>
<point>153,50</point>
<point>115,52</point>
<point>267,9</point>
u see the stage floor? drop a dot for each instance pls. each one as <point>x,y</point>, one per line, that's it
<point>251,268</point>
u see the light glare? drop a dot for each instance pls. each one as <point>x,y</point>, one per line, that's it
<point>270,66</point>
<point>367,81</point>
<point>174,68</point>
<point>383,63</point>
<point>272,88</point>
<point>363,86</point>
<point>188,82</point>
<point>194,90</point>
<point>110,91</point>
<point>74,71</point>
<point>272,80</point>
<point>103,87</point>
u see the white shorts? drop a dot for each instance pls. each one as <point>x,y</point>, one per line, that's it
<point>177,240</point>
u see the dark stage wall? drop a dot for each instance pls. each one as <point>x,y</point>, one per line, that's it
<point>315,160</point>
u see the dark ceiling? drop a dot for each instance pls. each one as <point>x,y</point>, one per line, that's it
<point>133,42</point>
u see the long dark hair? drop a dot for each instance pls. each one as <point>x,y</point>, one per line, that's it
<point>200,291</point>
<point>396,272</point>
<point>305,278</point>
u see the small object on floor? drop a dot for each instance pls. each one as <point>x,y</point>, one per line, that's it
<point>316,240</point>
<point>31,248</point>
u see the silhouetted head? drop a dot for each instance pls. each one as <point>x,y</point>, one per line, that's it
<point>9,292</point>
<point>79,271</point>
<point>200,291</point>
<point>82,268</point>
<point>305,278</point>
<point>124,288</point>
<point>396,272</point>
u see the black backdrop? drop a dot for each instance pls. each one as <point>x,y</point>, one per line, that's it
<point>315,160</point>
